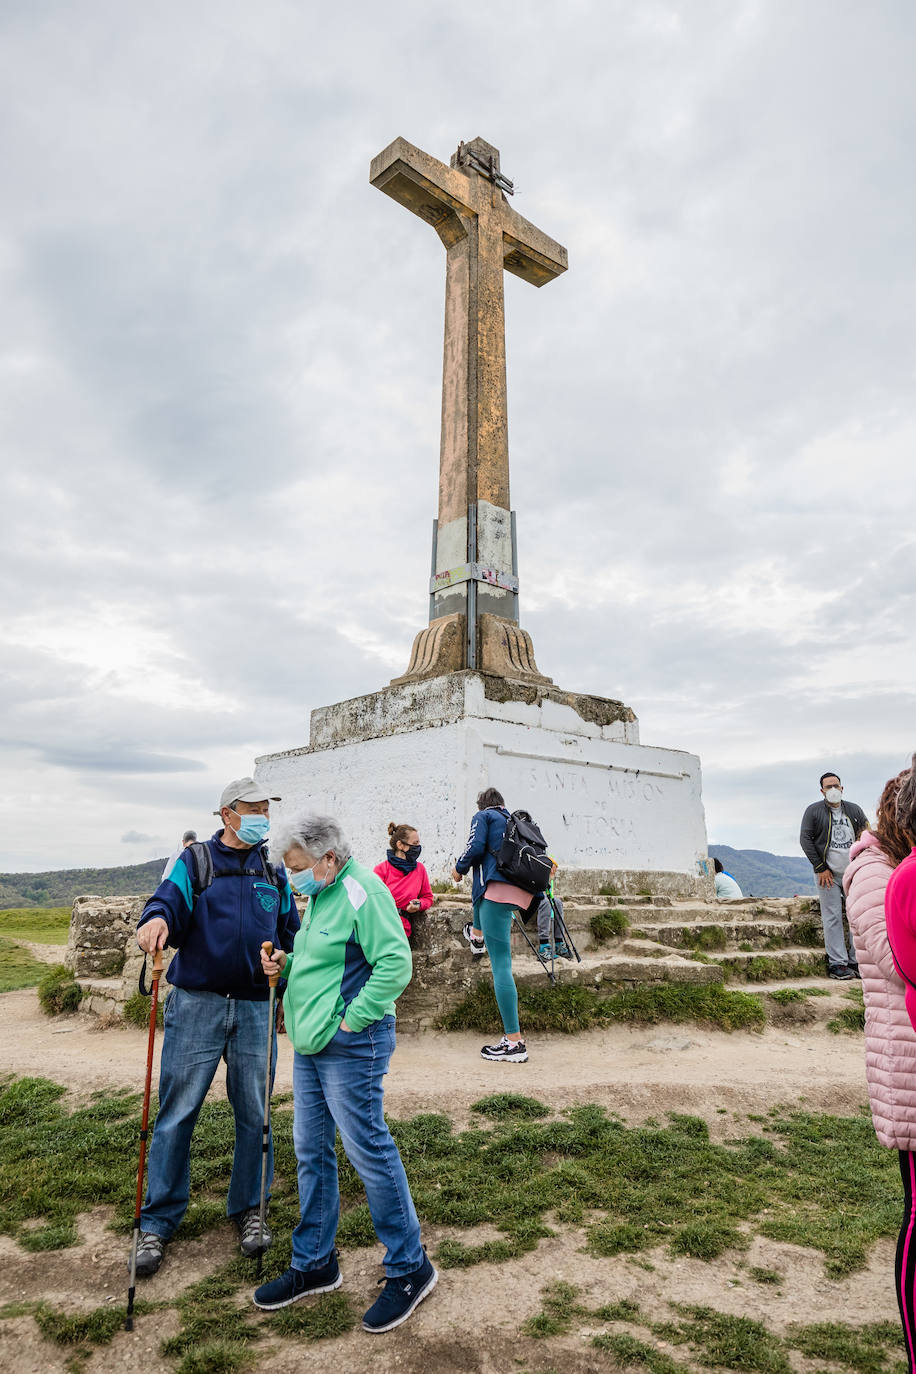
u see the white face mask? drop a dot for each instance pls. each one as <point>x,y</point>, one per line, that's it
<point>834,795</point>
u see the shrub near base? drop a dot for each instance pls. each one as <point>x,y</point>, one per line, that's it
<point>58,991</point>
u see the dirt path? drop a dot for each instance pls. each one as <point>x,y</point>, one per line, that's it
<point>472,1322</point>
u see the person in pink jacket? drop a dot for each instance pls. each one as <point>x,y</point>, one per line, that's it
<point>406,879</point>
<point>890,1041</point>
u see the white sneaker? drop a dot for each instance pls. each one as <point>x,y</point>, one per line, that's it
<point>510,1051</point>
<point>476,942</point>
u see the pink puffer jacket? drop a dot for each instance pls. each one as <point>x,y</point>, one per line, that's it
<point>890,1041</point>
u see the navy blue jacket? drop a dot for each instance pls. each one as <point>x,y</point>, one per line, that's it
<point>218,932</point>
<point>487,831</point>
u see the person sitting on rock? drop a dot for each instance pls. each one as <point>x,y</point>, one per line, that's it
<point>406,879</point>
<point>727,890</point>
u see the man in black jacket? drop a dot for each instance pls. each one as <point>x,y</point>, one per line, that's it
<point>828,830</point>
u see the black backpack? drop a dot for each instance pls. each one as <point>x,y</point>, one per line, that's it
<point>522,857</point>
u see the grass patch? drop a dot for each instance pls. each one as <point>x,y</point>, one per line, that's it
<point>770,1276</point>
<point>18,967</point>
<point>630,1352</point>
<point>58,990</point>
<point>707,938</point>
<point>608,890</point>
<point>807,932</point>
<point>721,1340</point>
<point>42,925</point>
<point>330,1316</point>
<point>136,1009</point>
<point>558,1308</point>
<point>97,1327</point>
<point>502,1106</point>
<point>761,970</point>
<point>848,1020</point>
<point>216,1357</point>
<point>786,996</point>
<point>571,1009</point>
<point>863,1348</point>
<point>607,925</point>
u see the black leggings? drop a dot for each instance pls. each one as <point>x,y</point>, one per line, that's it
<point>905,1267</point>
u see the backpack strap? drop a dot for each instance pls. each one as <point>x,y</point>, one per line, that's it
<point>201,866</point>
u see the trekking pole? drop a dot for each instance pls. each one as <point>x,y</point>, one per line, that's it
<point>564,931</point>
<point>520,924</point>
<point>156,975</point>
<point>268,949</point>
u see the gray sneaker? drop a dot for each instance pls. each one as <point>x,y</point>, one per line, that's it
<point>150,1253</point>
<point>249,1229</point>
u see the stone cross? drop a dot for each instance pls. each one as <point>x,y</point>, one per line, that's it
<point>474,584</point>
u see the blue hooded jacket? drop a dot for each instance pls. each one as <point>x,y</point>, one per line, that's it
<point>218,933</point>
<point>487,831</point>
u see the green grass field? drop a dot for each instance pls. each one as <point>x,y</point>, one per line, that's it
<point>43,925</point>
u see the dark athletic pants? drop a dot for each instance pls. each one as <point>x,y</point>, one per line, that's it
<point>905,1267</point>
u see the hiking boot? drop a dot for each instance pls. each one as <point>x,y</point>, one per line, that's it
<point>854,969</point>
<point>544,952</point>
<point>476,942</point>
<point>563,950</point>
<point>248,1224</point>
<point>510,1051</point>
<point>840,971</point>
<point>400,1296</point>
<point>150,1254</point>
<point>298,1283</point>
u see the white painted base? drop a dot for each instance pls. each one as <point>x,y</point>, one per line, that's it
<point>602,802</point>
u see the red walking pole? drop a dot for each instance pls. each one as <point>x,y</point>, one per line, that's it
<point>157,974</point>
<point>267,947</point>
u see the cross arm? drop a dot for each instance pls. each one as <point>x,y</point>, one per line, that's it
<point>529,253</point>
<point>438,194</point>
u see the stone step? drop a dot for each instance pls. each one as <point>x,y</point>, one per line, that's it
<point>596,970</point>
<point>765,966</point>
<point>701,934</point>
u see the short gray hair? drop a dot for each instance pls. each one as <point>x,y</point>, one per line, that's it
<point>189,836</point>
<point>313,834</point>
<point>906,802</point>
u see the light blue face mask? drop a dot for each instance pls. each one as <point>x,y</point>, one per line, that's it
<point>253,828</point>
<point>306,883</point>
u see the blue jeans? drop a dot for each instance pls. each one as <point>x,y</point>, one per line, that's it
<point>201,1028</point>
<point>341,1087</point>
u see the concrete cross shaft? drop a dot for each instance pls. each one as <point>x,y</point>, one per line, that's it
<point>474,573</point>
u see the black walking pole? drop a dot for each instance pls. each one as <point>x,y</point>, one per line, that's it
<point>521,926</point>
<point>268,949</point>
<point>157,974</point>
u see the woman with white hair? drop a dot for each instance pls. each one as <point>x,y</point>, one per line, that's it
<point>350,961</point>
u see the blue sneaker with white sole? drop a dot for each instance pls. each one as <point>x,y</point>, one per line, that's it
<point>400,1296</point>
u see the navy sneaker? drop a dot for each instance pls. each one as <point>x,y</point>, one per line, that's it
<point>840,971</point>
<point>296,1284</point>
<point>400,1296</point>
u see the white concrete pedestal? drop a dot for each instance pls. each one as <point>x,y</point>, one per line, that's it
<point>616,813</point>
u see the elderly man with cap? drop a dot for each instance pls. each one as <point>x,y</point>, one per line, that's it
<point>221,900</point>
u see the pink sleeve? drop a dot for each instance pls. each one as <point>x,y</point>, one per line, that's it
<point>425,895</point>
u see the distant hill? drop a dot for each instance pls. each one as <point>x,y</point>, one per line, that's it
<point>760,874</point>
<point>61,885</point>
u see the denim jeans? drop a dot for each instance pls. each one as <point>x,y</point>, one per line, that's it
<point>201,1028</point>
<point>342,1087</point>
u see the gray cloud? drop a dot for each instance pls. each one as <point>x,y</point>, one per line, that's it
<point>220,362</point>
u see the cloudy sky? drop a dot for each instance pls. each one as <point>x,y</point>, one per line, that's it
<point>220,355</point>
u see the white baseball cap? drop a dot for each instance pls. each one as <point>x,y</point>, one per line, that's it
<point>243,789</point>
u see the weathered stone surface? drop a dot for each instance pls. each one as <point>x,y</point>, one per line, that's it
<point>99,932</point>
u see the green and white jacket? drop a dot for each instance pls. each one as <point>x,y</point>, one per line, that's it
<point>350,960</point>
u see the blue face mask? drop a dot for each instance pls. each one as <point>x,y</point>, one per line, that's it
<point>306,883</point>
<point>253,828</point>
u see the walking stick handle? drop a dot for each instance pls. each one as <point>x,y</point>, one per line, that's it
<point>268,948</point>
<point>157,966</point>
